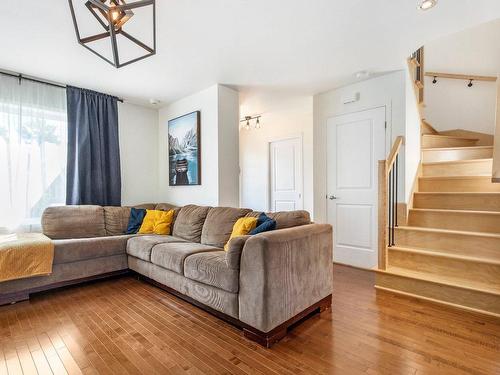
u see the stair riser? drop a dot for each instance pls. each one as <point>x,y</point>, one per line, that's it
<point>458,185</point>
<point>466,221</point>
<point>439,266</point>
<point>486,202</point>
<point>430,156</point>
<point>452,243</point>
<point>448,295</point>
<point>437,142</point>
<point>476,168</point>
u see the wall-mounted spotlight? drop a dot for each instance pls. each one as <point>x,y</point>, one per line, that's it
<point>434,80</point>
<point>470,83</point>
<point>247,122</point>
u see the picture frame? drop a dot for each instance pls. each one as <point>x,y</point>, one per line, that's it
<point>184,150</point>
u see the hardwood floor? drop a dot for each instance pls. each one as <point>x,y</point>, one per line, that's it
<point>124,326</point>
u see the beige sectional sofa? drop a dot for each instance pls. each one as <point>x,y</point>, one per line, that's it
<point>262,283</point>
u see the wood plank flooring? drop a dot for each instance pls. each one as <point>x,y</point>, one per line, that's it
<point>124,326</point>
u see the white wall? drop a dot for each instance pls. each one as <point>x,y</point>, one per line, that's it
<point>450,103</point>
<point>138,131</point>
<point>283,116</point>
<point>387,90</point>
<point>412,148</point>
<point>229,167</point>
<point>219,108</point>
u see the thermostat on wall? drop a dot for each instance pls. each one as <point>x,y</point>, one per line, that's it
<point>350,98</point>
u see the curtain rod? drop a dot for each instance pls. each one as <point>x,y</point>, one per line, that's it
<point>20,76</point>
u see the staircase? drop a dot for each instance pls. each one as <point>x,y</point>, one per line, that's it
<point>449,250</point>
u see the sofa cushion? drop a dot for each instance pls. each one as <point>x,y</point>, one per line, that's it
<point>75,250</point>
<point>189,222</point>
<point>166,207</point>
<point>211,269</point>
<point>172,255</point>
<point>141,246</point>
<point>286,219</point>
<point>219,225</point>
<point>73,222</point>
<point>116,220</point>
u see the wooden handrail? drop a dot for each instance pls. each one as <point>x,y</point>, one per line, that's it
<point>387,214</point>
<point>496,147</point>
<point>394,152</point>
<point>466,77</point>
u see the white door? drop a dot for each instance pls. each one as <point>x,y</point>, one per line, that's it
<point>355,143</point>
<point>286,175</point>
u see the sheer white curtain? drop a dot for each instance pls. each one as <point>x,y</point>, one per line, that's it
<point>33,142</point>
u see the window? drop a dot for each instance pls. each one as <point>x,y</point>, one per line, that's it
<point>33,141</point>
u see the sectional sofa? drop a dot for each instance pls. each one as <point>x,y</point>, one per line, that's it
<point>262,283</point>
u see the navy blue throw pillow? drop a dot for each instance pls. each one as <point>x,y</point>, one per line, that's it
<point>135,221</point>
<point>264,224</point>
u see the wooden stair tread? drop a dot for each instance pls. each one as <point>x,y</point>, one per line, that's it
<point>456,148</point>
<point>442,254</point>
<point>444,280</point>
<point>448,231</point>
<point>451,162</point>
<point>492,213</point>
<point>470,193</point>
<point>440,136</point>
<point>476,177</point>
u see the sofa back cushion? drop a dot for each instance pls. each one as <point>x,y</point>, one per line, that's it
<point>116,220</point>
<point>73,222</point>
<point>287,219</point>
<point>219,225</point>
<point>189,222</point>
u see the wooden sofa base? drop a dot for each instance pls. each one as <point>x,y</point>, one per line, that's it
<point>11,298</point>
<point>266,339</point>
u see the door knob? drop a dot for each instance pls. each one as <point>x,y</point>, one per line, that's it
<point>332,197</point>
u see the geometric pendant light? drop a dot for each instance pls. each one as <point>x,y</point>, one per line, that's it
<point>109,20</point>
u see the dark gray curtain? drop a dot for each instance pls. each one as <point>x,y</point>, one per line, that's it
<point>93,175</point>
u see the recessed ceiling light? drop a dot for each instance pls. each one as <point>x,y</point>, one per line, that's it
<point>427,4</point>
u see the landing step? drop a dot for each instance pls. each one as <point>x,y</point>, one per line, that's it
<point>475,221</point>
<point>463,153</point>
<point>420,285</point>
<point>440,141</point>
<point>443,280</point>
<point>475,201</point>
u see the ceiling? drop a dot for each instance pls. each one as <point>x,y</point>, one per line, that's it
<point>302,46</point>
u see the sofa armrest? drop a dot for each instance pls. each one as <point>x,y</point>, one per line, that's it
<point>233,253</point>
<point>284,272</point>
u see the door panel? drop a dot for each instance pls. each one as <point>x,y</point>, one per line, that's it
<point>355,142</point>
<point>286,175</point>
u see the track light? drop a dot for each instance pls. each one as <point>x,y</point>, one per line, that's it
<point>248,119</point>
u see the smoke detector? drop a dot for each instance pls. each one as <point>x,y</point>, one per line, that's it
<point>427,4</point>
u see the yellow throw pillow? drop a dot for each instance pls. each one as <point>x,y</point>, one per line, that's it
<point>157,222</point>
<point>163,222</point>
<point>242,227</point>
<point>148,224</point>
